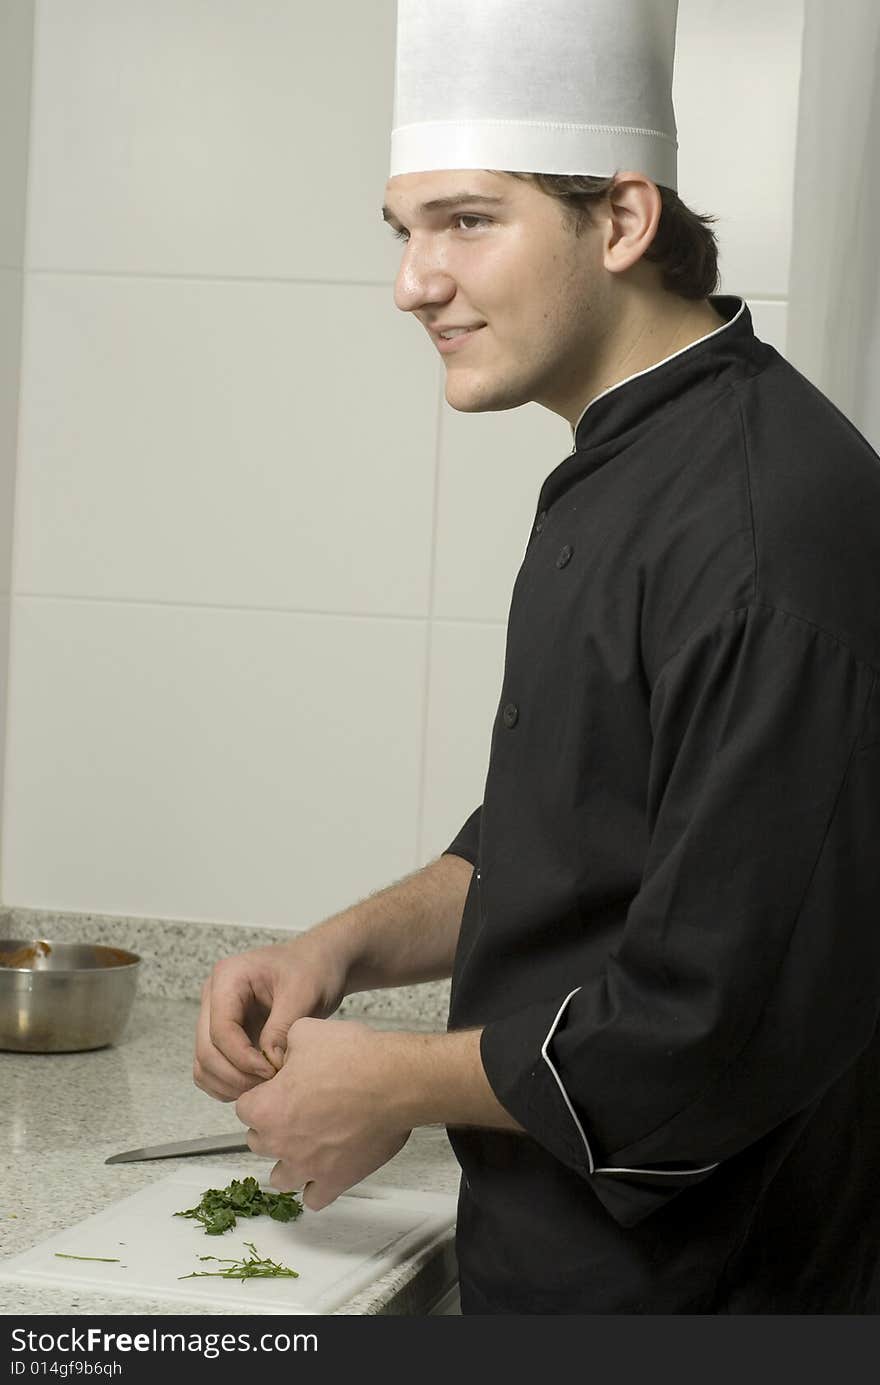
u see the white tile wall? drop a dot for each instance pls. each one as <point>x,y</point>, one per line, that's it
<point>229,443</point>
<point>467,666</point>
<point>16,63</point>
<point>258,767</point>
<point>770,322</point>
<point>236,137</point>
<point>736,87</point>
<point>5,604</point>
<point>491,470</point>
<point>262,570</point>
<point>11,288</point>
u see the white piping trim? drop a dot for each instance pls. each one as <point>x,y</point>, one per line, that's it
<point>660,1173</point>
<point>664,1173</point>
<point>656,366</point>
<point>544,1055</point>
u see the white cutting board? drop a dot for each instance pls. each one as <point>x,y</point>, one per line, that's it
<point>338,1251</point>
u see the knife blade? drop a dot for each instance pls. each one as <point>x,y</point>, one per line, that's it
<point>205,1144</point>
<point>213,1144</point>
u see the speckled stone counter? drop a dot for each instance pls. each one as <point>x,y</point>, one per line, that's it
<point>177,957</point>
<point>63,1114</point>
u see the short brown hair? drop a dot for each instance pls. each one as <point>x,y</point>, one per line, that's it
<point>684,248</point>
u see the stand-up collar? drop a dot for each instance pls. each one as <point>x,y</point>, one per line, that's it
<point>616,417</point>
<point>623,405</point>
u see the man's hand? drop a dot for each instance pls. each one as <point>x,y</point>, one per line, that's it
<point>331,1116</point>
<point>406,933</point>
<point>348,1097</point>
<point>249,1003</point>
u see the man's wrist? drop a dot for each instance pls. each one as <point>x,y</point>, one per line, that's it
<point>439,1079</point>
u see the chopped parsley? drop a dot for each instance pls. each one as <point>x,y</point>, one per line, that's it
<point>252,1268</point>
<point>220,1207</point>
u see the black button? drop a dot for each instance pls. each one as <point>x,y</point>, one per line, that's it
<point>540,521</point>
<point>564,556</point>
<point>510,715</point>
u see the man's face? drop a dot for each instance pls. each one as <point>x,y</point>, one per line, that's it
<point>509,268</point>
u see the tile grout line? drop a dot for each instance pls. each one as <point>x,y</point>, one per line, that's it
<point>189,276</point>
<point>429,641</point>
<point>23,345</point>
<point>244,610</point>
<point>196,278</point>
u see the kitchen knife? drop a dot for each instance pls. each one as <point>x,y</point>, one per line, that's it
<point>205,1144</point>
<point>212,1144</point>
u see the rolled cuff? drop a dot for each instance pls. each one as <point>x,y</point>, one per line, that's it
<point>517,1055</point>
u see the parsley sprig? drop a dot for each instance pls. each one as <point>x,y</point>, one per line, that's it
<point>220,1207</point>
<point>104,1259</point>
<point>252,1268</point>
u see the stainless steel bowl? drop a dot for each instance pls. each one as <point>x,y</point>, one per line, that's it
<point>63,997</point>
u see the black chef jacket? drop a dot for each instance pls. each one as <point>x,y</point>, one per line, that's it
<point>672,934</point>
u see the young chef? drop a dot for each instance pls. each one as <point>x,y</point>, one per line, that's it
<point>662,1065</point>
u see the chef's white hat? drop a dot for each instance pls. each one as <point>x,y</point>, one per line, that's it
<point>536,86</point>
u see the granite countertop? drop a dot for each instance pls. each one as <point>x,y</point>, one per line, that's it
<point>65,1113</point>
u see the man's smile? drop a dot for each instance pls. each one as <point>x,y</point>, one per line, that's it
<point>458,338</point>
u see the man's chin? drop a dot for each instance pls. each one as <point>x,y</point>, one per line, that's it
<point>475,400</point>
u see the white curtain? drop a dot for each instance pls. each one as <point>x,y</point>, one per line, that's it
<point>834,290</point>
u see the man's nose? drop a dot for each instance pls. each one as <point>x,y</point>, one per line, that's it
<point>421,279</point>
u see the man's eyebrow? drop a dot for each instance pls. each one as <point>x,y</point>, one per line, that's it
<point>439,204</point>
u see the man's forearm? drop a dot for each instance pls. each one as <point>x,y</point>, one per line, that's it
<point>438,1079</point>
<point>406,933</point>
